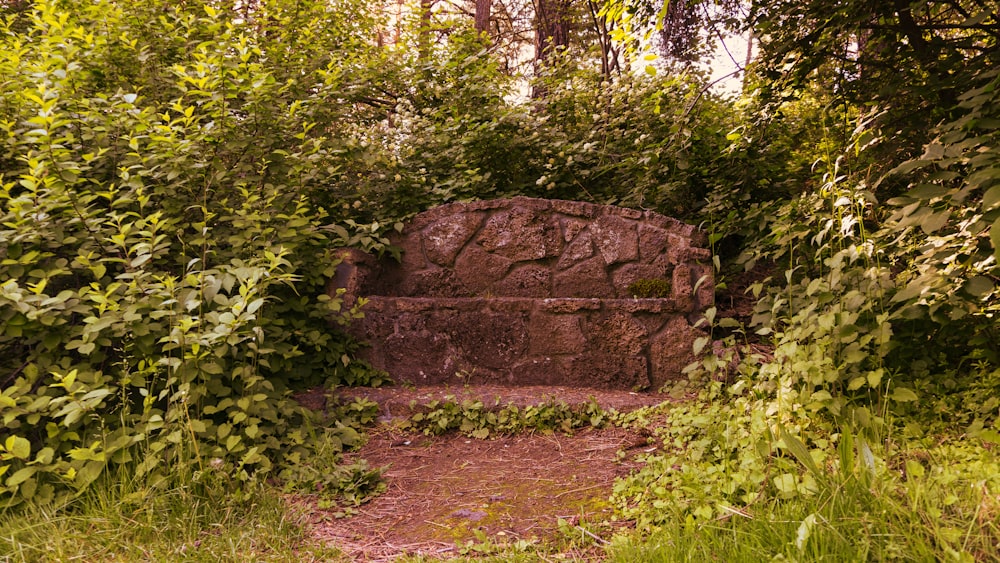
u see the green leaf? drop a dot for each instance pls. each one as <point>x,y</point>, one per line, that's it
<point>255,305</point>
<point>866,455</point>
<point>846,450</point>
<point>933,151</point>
<point>21,475</point>
<point>914,469</point>
<point>799,450</point>
<point>927,191</point>
<point>785,483</point>
<point>935,221</point>
<point>979,286</point>
<point>855,354</point>
<point>90,471</point>
<point>995,238</point>
<point>87,454</point>
<point>991,198</point>
<point>903,395</point>
<point>804,532</point>
<point>874,378</point>
<point>18,447</point>
<point>991,436</point>
<point>856,383</point>
<point>728,322</point>
<point>907,167</point>
<point>913,289</point>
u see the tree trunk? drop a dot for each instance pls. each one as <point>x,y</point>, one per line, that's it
<point>609,57</point>
<point>424,38</point>
<point>551,27</point>
<point>749,58</point>
<point>483,16</point>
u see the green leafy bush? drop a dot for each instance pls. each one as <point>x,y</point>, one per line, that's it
<point>163,272</point>
<point>477,420</point>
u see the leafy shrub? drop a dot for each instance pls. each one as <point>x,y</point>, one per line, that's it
<point>640,142</point>
<point>163,273</point>
<point>476,420</point>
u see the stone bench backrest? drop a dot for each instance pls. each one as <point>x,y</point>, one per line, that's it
<point>525,247</point>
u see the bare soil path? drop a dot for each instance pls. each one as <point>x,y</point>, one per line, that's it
<point>446,491</point>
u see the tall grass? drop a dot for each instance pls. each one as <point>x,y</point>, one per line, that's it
<point>917,504</point>
<point>121,519</point>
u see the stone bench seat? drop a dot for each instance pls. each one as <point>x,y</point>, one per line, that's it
<point>608,343</point>
<point>531,292</point>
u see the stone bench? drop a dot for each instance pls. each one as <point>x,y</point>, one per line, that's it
<point>532,292</point>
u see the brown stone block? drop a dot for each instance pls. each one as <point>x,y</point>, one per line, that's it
<point>617,333</point>
<point>697,236</point>
<point>354,274</point>
<point>492,340</point>
<point>653,320</point>
<point>525,281</point>
<point>437,282</point>
<point>446,237</point>
<point>574,208</point>
<point>683,285</point>
<point>685,303</point>
<point>508,304</point>
<point>411,254</point>
<point>633,306</point>
<point>586,279</point>
<point>699,254</point>
<point>616,238</point>
<point>580,249</point>
<point>670,350</point>
<point>623,212</point>
<point>664,264</point>
<point>479,270</point>
<point>569,305</point>
<point>418,357</point>
<point>628,274</point>
<point>609,371</point>
<point>375,327</point>
<point>427,218</point>
<point>415,305</point>
<point>377,304</point>
<point>705,293</point>
<point>550,334</point>
<point>532,202</point>
<point>654,219</point>
<point>668,223</point>
<point>652,242</point>
<point>459,308</point>
<point>677,248</point>
<point>521,234</point>
<point>572,227</point>
<point>543,370</point>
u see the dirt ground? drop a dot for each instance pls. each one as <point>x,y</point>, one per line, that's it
<point>445,492</point>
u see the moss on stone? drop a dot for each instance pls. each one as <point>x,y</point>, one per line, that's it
<point>646,288</point>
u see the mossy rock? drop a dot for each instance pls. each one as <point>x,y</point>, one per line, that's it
<point>649,288</point>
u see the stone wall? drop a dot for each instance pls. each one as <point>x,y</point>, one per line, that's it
<point>530,291</point>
